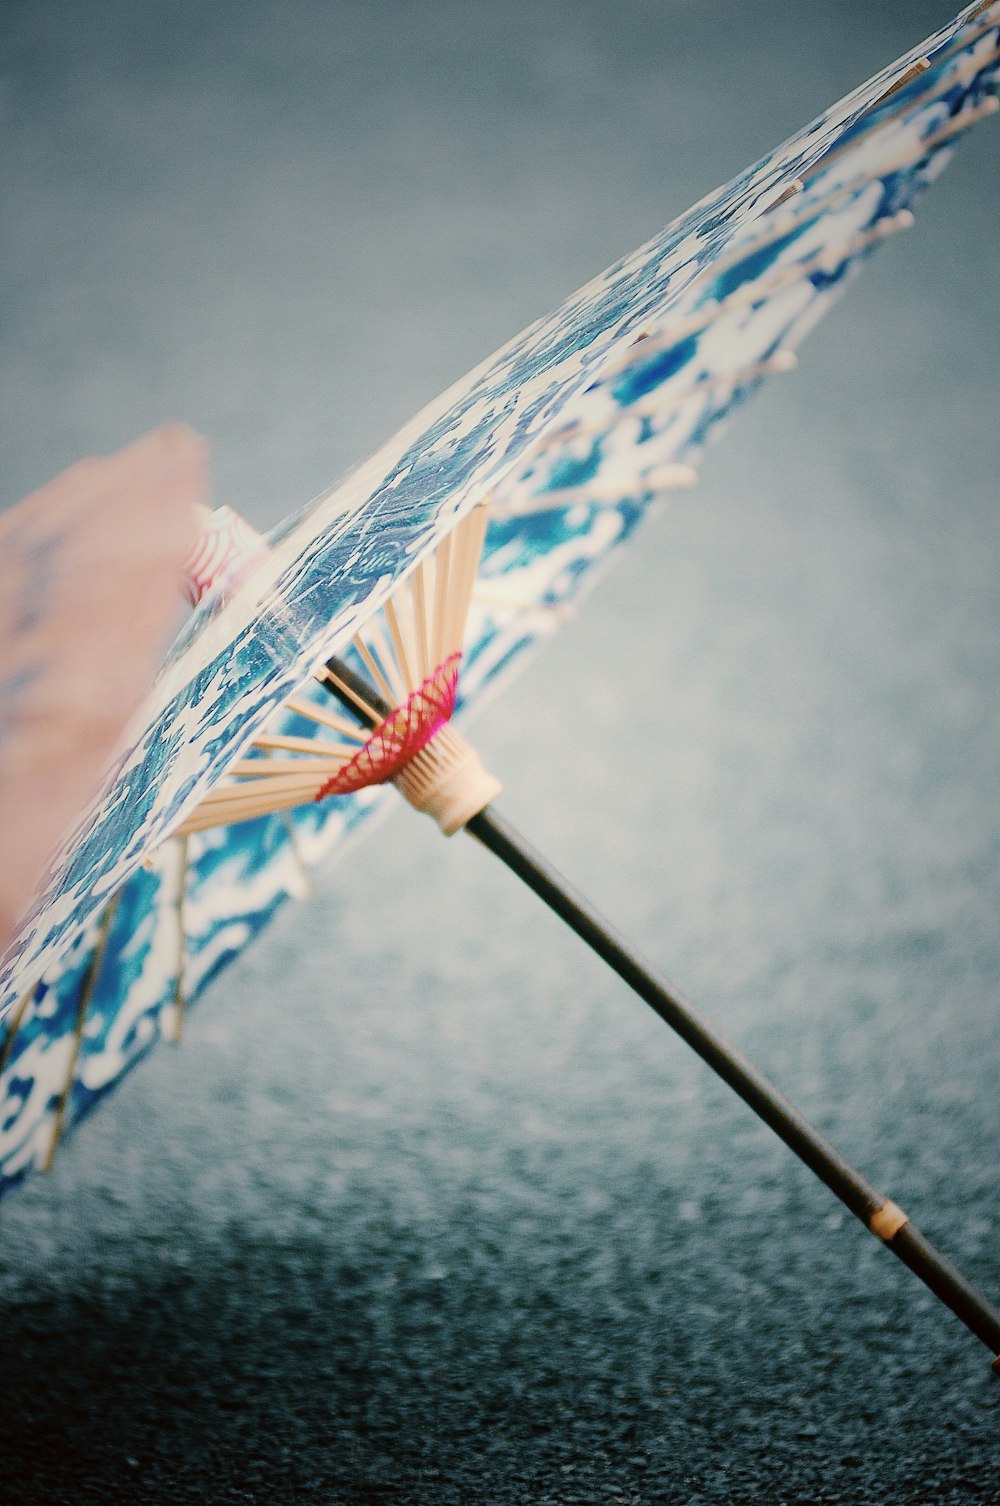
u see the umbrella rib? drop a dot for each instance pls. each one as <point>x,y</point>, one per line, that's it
<point>670,476</point>
<point>754,292</point>
<point>470,548</point>
<point>959,43</point>
<point>419,598</point>
<point>308,745</point>
<point>914,72</point>
<point>14,1020</point>
<point>230,803</point>
<point>780,362</point>
<point>233,812</point>
<point>317,714</point>
<point>911,155</point>
<point>791,189</point>
<point>770,230</point>
<point>261,789</point>
<point>399,644</point>
<point>374,667</point>
<point>966,71</point>
<point>443,591</point>
<point>272,767</point>
<point>341,682</point>
<point>176,1030</point>
<point>382,651</point>
<point>804,210</point>
<point>464,558</point>
<point>83,1004</point>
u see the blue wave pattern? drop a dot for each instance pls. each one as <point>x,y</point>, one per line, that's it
<point>572,431</point>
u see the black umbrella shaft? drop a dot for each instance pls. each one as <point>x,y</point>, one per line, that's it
<point>854,1190</point>
<point>860,1196</point>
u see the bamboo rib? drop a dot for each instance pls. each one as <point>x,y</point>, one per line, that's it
<point>83,1004</point>
<point>776,229</point>
<point>419,600</point>
<point>374,667</point>
<point>752,293</point>
<point>812,209</point>
<point>177,1028</point>
<point>393,669</point>
<point>937,138</point>
<point>802,212</point>
<point>204,820</point>
<point>469,543</point>
<point>962,44</point>
<point>794,187</point>
<point>807,209</point>
<point>442,589</point>
<point>278,784</point>
<point>827,259</point>
<point>660,401</point>
<point>315,714</point>
<point>272,768</point>
<point>454,613</point>
<point>779,364</point>
<point>14,1024</point>
<point>300,745</point>
<point>919,67</point>
<point>398,642</point>
<point>425,618</point>
<point>242,802</point>
<point>223,811</point>
<point>362,705</point>
<point>670,476</point>
<point>959,123</point>
<point>448,578</point>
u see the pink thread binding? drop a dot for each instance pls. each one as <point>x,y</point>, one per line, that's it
<point>402,735</point>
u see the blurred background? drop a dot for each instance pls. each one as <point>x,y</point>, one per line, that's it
<point>427,1209</point>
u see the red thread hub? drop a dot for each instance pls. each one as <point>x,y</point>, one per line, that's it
<point>402,735</point>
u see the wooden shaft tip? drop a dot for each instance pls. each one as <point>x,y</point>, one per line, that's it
<point>995,1367</point>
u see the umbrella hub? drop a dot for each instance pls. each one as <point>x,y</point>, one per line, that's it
<point>409,651</point>
<point>401,735</point>
<point>415,746</point>
<point>448,780</point>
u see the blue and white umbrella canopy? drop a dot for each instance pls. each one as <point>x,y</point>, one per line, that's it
<point>571,433</point>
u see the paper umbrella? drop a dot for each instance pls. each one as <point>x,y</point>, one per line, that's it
<point>454,548</point>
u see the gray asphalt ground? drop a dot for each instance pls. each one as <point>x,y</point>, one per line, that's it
<point>427,1209</point>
